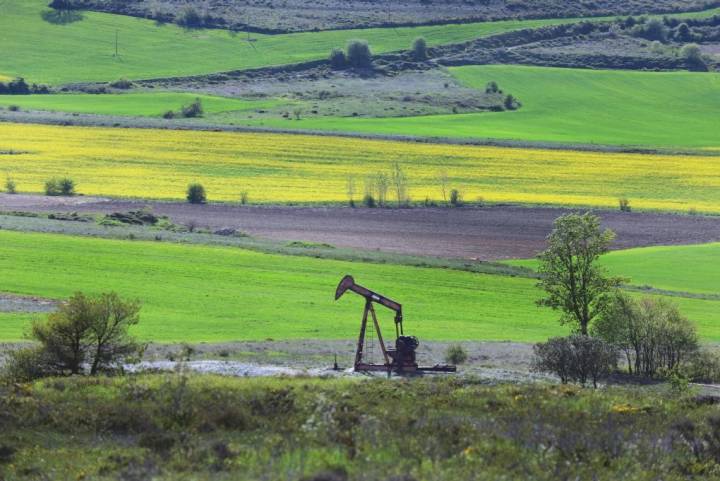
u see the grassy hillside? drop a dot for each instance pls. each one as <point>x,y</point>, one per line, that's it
<point>669,109</point>
<point>290,168</point>
<point>83,50</point>
<point>692,268</point>
<point>142,104</point>
<point>200,293</point>
<point>197,293</point>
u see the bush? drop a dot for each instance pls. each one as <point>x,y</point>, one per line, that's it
<point>653,29</point>
<point>196,194</point>
<point>25,365</point>
<point>60,186</point>
<point>189,17</point>
<point>455,354</point>
<point>692,54</point>
<point>10,185</point>
<point>576,358</point>
<point>369,201</point>
<point>624,204</point>
<point>169,115</point>
<point>90,330</point>
<point>193,110</point>
<point>122,84</point>
<point>337,59</point>
<point>651,332</point>
<point>456,198</point>
<point>510,103</point>
<point>358,54</point>
<point>14,108</point>
<point>492,88</point>
<point>419,49</point>
<point>243,197</point>
<point>703,366</point>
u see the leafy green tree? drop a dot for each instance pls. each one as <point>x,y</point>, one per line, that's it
<point>573,282</point>
<point>359,54</point>
<point>196,194</point>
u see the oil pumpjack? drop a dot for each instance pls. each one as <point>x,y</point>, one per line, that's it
<point>400,358</point>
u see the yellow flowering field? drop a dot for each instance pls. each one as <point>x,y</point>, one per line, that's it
<point>300,168</point>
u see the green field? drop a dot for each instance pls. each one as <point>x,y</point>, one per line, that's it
<point>199,293</point>
<point>133,104</point>
<point>692,268</point>
<point>669,109</point>
<point>83,50</point>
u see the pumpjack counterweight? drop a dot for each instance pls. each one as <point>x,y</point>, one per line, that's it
<point>401,358</point>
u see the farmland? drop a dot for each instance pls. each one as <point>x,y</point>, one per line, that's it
<point>277,168</point>
<point>201,293</point>
<point>690,268</point>
<point>131,104</point>
<point>658,109</point>
<point>82,48</point>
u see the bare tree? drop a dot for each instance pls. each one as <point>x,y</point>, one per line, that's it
<point>400,183</point>
<point>351,191</point>
<point>443,181</point>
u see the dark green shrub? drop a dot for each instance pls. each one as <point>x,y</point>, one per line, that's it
<point>196,194</point>
<point>122,84</point>
<point>358,54</point>
<point>492,88</point>
<point>193,110</point>
<point>703,367</point>
<point>169,115</point>
<point>456,198</point>
<point>337,59</point>
<point>693,55</point>
<point>369,201</point>
<point>10,185</point>
<point>189,17</point>
<point>653,29</point>
<point>624,204</point>
<point>455,354</point>
<point>576,358</point>
<point>25,365</point>
<point>419,49</point>
<point>60,186</point>
<point>510,103</point>
<point>14,108</point>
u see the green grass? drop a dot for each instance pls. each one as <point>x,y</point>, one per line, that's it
<point>132,104</point>
<point>200,293</point>
<point>668,109</point>
<point>84,50</point>
<point>691,268</point>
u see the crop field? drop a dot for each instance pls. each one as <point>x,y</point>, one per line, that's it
<point>198,293</point>
<point>45,47</point>
<point>133,104</point>
<point>288,168</point>
<point>692,268</point>
<point>663,109</point>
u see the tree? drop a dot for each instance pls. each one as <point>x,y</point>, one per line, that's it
<point>570,276</point>
<point>399,180</point>
<point>358,54</point>
<point>419,49</point>
<point>108,331</point>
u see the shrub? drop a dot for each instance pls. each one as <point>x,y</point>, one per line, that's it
<point>243,197</point>
<point>337,59</point>
<point>189,17</point>
<point>84,329</point>
<point>624,204</point>
<point>122,84</point>
<point>455,354</point>
<point>510,103</point>
<point>169,115</point>
<point>653,29</point>
<point>60,186</point>
<point>576,358</point>
<point>358,54</point>
<point>10,185</point>
<point>419,49</point>
<point>492,88</point>
<point>692,54</point>
<point>25,365</point>
<point>193,110</point>
<point>456,198</point>
<point>369,201</point>
<point>652,333</point>
<point>196,194</point>
<point>14,108</point>
<point>703,366</point>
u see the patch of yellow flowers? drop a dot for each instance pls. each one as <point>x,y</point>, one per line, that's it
<point>299,168</point>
